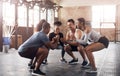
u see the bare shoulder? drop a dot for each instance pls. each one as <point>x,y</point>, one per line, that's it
<point>78,31</point>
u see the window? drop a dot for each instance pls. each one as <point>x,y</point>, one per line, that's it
<point>8,14</point>
<point>103,16</point>
<point>22,16</point>
<point>36,15</point>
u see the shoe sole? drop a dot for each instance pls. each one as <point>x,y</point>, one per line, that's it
<point>63,61</point>
<point>86,67</point>
<point>92,72</point>
<point>75,63</point>
<point>37,74</point>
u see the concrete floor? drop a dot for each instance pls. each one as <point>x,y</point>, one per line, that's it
<point>107,61</point>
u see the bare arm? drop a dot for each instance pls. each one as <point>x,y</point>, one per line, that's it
<point>52,44</point>
<point>67,36</point>
<point>83,40</point>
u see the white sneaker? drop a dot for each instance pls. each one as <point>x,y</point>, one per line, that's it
<point>91,71</point>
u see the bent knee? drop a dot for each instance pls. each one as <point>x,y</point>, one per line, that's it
<point>88,49</point>
<point>80,48</point>
<point>43,50</point>
<point>67,47</point>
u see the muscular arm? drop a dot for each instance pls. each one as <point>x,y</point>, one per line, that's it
<point>67,36</point>
<point>69,41</point>
<point>53,43</point>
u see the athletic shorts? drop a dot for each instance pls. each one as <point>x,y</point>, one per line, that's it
<point>104,41</point>
<point>29,53</point>
<point>74,48</point>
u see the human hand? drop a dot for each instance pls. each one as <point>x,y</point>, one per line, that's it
<point>55,39</point>
<point>63,40</point>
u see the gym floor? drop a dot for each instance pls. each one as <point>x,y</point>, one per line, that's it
<point>107,62</point>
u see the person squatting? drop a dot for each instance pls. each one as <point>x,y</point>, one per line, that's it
<point>80,37</point>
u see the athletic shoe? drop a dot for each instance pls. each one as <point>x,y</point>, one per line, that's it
<point>91,71</point>
<point>73,61</point>
<point>32,66</point>
<point>38,72</point>
<point>88,66</point>
<point>84,63</point>
<point>45,62</point>
<point>63,60</point>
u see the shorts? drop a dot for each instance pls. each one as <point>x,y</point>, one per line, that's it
<point>84,45</point>
<point>74,48</point>
<point>29,52</point>
<point>104,41</point>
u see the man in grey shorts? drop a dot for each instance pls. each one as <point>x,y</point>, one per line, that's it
<point>37,47</point>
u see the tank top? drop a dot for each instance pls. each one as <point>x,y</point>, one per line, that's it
<point>83,39</point>
<point>93,36</point>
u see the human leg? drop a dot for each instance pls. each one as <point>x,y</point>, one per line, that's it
<point>69,49</point>
<point>62,52</point>
<point>91,48</point>
<point>45,61</point>
<point>41,54</point>
<point>30,63</point>
<point>62,55</point>
<point>82,53</point>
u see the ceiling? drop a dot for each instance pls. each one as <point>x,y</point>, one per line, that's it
<point>70,3</point>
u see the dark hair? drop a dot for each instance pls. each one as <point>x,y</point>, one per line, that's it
<point>39,25</point>
<point>57,23</point>
<point>81,20</point>
<point>71,20</point>
<point>45,25</point>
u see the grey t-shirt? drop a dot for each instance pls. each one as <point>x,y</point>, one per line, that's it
<point>36,40</point>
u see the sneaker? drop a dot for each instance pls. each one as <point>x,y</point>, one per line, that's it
<point>45,62</point>
<point>32,66</point>
<point>38,72</point>
<point>73,61</point>
<point>63,60</point>
<point>84,63</point>
<point>91,71</point>
<point>88,66</point>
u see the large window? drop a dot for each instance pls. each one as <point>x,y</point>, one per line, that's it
<point>8,14</point>
<point>35,15</point>
<point>103,16</point>
<point>22,16</point>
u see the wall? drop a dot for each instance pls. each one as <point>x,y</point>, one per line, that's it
<point>87,2</point>
<point>66,13</point>
<point>23,35</point>
<point>118,21</point>
<point>83,11</point>
<point>108,32</point>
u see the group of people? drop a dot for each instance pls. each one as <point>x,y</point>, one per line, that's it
<point>80,37</point>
